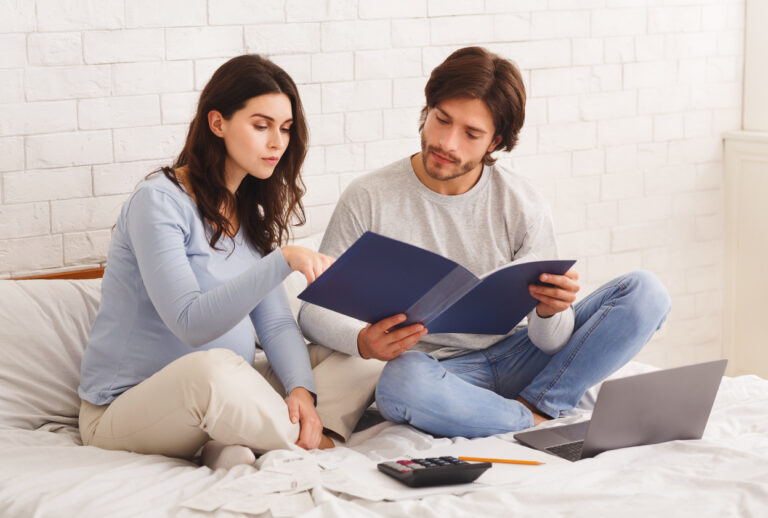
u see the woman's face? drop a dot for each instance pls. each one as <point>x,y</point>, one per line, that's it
<point>256,136</point>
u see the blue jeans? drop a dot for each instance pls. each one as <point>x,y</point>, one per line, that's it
<point>473,395</point>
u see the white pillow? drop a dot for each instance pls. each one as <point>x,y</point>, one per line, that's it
<point>44,326</point>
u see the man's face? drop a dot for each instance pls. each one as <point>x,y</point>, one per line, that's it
<point>456,136</point>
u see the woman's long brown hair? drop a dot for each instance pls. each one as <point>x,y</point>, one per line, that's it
<point>266,208</point>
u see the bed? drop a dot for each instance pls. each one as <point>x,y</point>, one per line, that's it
<point>45,471</point>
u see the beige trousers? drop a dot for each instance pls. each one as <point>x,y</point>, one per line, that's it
<point>344,385</point>
<point>215,394</point>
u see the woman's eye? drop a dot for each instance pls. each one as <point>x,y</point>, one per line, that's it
<point>441,121</point>
<point>285,130</point>
<point>260,128</point>
<point>473,137</point>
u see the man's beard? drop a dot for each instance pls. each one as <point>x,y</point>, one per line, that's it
<point>462,168</point>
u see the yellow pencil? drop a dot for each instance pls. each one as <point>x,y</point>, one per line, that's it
<point>503,461</point>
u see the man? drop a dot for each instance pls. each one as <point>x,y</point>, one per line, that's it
<point>452,199</point>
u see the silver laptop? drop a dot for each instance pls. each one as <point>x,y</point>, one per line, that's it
<point>649,408</point>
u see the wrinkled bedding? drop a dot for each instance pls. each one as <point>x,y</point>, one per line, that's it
<point>46,472</point>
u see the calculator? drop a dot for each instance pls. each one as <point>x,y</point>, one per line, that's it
<point>433,471</point>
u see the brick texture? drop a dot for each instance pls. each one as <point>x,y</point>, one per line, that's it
<point>627,102</point>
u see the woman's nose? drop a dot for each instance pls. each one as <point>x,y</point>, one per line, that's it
<point>278,140</point>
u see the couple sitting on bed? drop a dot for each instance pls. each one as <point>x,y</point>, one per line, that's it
<point>197,253</point>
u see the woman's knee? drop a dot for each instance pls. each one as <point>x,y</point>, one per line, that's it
<point>219,368</point>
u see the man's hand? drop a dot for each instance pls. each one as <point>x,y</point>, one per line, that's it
<point>379,341</point>
<point>301,409</point>
<point>557,298</point>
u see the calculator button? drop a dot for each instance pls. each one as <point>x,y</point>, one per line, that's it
<point>399,467</point>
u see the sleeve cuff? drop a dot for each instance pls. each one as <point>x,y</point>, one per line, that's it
<point>278,258</point>
<point>351,341</point>
<point>309,386</point>
<point>311,391</point>
<point>552,333</point>
<point>333,330</point>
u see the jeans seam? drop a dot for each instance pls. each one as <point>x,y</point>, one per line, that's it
<point>494,372</point>
<point>512,352</point>
<point>575,352</point>
<point>465,370</point>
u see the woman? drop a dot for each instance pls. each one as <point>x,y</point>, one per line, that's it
<point>195,253</point>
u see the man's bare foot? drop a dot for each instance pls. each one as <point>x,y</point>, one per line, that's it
<point>538,417</point>
<point>325,443</point>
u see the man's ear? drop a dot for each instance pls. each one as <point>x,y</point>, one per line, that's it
<point>215,122</point>
<point>494,143</point>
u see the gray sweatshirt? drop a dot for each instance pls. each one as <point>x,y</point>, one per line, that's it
<point>500,220</point>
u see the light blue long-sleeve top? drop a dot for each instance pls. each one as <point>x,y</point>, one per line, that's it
<point>167,293</point>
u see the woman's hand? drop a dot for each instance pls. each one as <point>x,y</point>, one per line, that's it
<point>310,263</point>
<point>301,409</point>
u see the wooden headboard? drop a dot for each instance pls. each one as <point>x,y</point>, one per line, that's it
<point>90,273</point>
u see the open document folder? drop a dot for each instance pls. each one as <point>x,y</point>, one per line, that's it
<point>378,277</point>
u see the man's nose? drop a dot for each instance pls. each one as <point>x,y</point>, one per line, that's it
<point>450,139</point>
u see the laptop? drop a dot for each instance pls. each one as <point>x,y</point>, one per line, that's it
<point>659,406</point>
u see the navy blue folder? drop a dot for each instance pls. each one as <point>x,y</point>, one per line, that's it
<point>378,277</point>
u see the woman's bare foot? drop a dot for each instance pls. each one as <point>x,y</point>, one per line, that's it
<point>326,442</point>
<point>538,417</point>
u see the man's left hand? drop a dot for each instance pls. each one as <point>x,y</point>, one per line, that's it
<point>301,409</point>
<point>557,298</point>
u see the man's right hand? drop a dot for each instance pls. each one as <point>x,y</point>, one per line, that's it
<point>381,342</point>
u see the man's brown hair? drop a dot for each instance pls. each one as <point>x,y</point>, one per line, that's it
<point>476,73</point>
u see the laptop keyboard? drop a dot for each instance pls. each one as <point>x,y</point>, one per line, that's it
<point>569,451</point>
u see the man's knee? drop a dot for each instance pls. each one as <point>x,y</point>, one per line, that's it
<point>650,294</point>
<point>401,381</point>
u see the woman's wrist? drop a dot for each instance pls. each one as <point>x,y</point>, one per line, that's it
<point>304,394</point>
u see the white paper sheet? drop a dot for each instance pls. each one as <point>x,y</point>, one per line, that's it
<point>290,505</point>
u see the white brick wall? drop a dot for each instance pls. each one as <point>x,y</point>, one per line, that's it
<point>123,46</point>
<point>73,82</point>
<point>41,117</point>
<point>47,184</point>
<point>57,15</point>
<point>168,13</point>
<point>119,112</point>
<point>627,103</point>
<point>56,48</point>
<point>65,149</point>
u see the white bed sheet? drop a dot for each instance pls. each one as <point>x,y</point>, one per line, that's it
<point>48,473</point>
